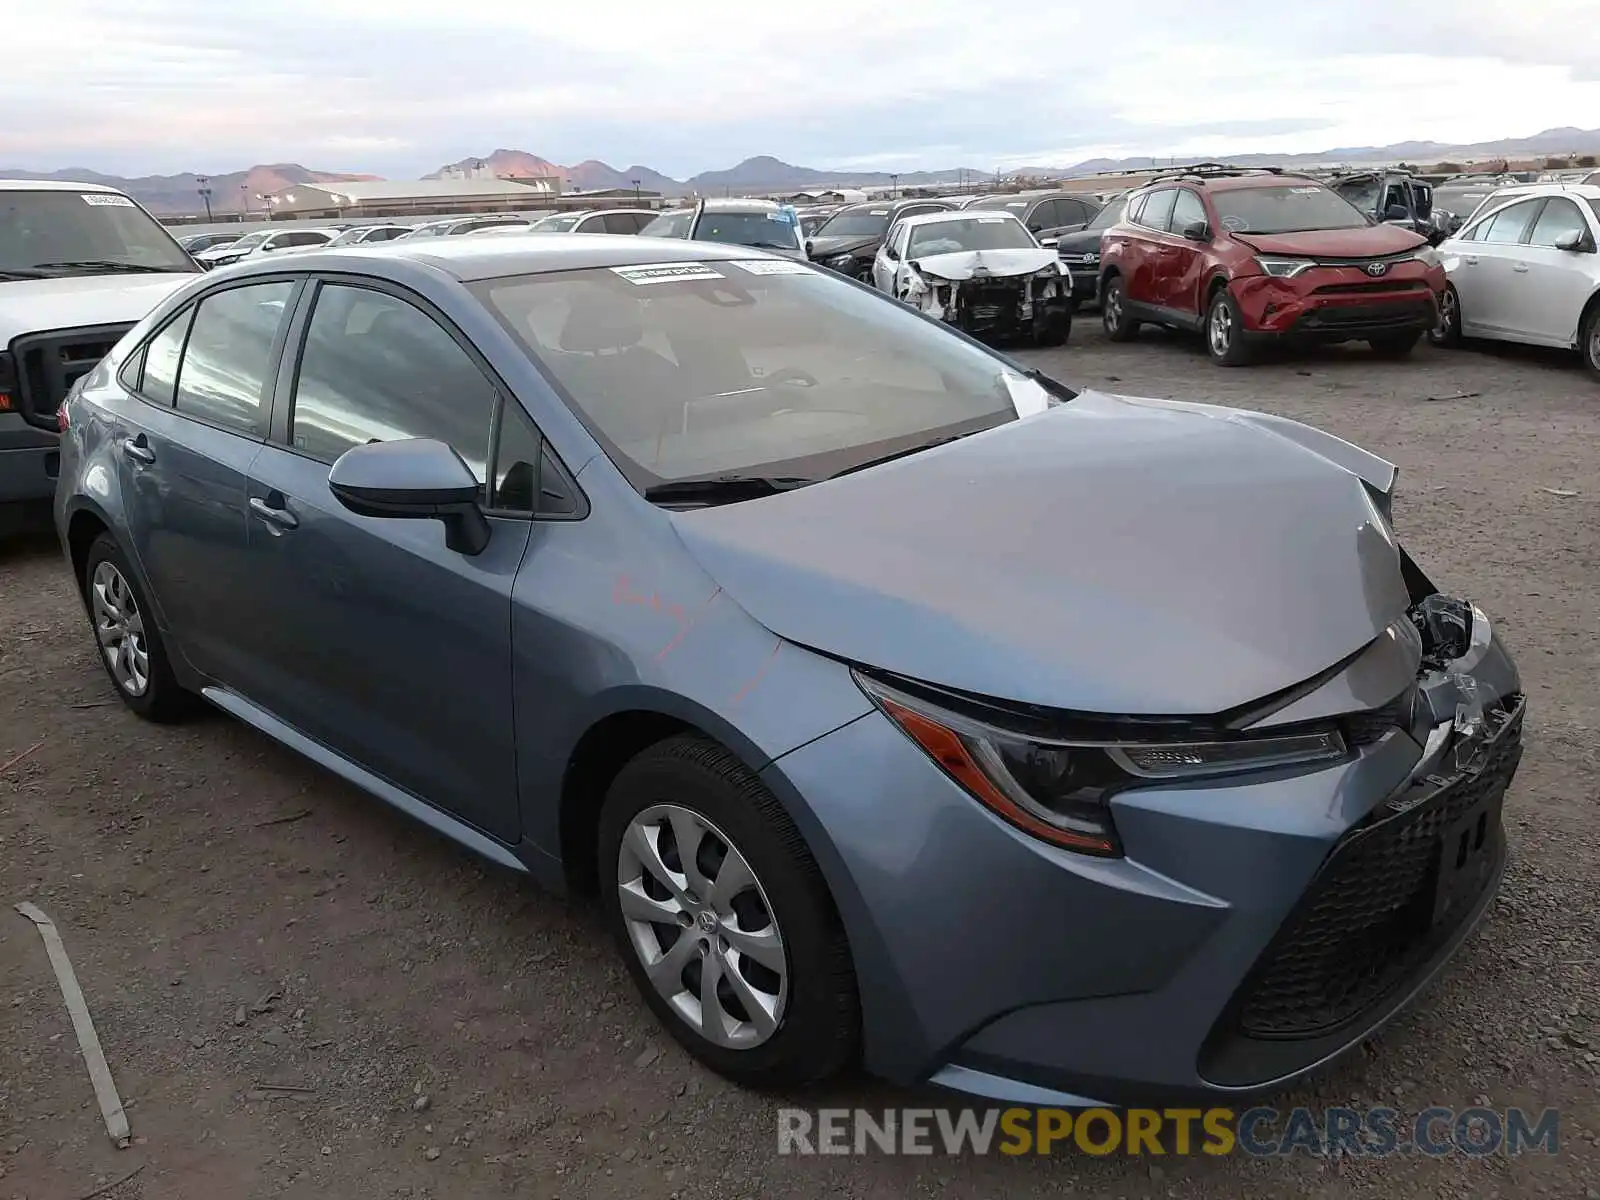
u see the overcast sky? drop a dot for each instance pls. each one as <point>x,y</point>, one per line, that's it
<point>398,87</point>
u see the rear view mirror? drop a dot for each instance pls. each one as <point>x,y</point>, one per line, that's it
<point>1573,241</point>
<point>1197,231</point>
<point>416,478</point>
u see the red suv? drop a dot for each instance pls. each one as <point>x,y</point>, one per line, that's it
<point>1249,256</point>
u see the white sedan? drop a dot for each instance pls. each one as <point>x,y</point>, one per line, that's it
<point>1527,269</point>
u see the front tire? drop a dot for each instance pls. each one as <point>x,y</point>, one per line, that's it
<point>129,643</point>
<point>1053,329</point>
<point>1447,332</point>
<point>1395,346</point>
<point>724,920</point>
<point>1225,341</point>
<point>1114,311</point>
<point>1589,341</point>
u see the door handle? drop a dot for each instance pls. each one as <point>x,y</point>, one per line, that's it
<point>1520,268</point>
<point>275,515</point>
<point>138,449</point>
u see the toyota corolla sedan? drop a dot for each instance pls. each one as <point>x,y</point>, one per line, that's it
<point>900,705</point>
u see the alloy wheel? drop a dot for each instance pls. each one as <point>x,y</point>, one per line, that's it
<point>119,628</point>
<point>1594,345</point>
<point>1111,308</point>
<point>1219,329</point>
<point>1447,316</point>
<point>700,922</point>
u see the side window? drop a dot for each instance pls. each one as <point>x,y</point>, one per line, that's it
<point>227,362</point>
<point>375,368</point>
<point>1136,210</point>
<point>1186,210</point>
<point>1045,216</point>
<point>528,479</point>
<point>1158,208</point>
<point>160,379</point>
<point>618,222</point>
<point>640,220</point>
<point>1509,224</point>
<point>1559,218</point>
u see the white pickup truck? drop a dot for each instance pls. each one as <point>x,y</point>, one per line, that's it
<point>80,264</point>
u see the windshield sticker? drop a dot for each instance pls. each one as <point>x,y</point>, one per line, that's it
<point>1305,191</point>
<point>1016,204</point>
<point>993,220</point>
<point>780,216</point>
<point>879,212</point>
<point>773,266</point>
<point>666,272</point>
<point>107,199</point>
<point>1235,224</point>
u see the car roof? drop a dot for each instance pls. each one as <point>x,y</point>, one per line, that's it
<point>1584,191</point>
<point>470,259</point>
<point>962,214</point>
<point>55,185</point>
<point>728,205</point>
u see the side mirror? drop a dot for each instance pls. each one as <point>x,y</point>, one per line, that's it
<point>1048,242</point>
<point>1575,242</point>
<point>1197,231</point>
<point>808,247</point>
<point>417,479</point>
<point>1396,212</point>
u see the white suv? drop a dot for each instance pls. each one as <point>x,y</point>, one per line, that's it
<point>1527,269</point>
<point>80,265</point>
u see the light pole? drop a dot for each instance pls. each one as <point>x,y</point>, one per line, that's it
<point>205,192</point>
<point>244,199</point>
<point>894,185</point>
<point>635,193</point>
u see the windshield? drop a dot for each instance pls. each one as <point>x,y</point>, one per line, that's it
<point>688,370</point>
<point>971,233</point>
<point>554,224</point>
<point>768,230</point>
<point>1362,193</point>
<point>1286,208</point>
<point>865,221</point>
<point>348,236</point>
<point>671,224</point>
<point>48,230</point>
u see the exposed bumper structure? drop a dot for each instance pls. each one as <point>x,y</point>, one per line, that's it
<point>1256,928</point>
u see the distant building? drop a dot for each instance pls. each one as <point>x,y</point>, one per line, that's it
<point>414,198</point>
<point>622,197</point>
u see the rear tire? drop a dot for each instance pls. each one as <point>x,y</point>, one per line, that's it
<point>808,1020</point>
<point>1447,333</point>
<point>1113,311</point>
<point>1394,346</point>
<point>1053,330</point>
<point>1589,341</point>
<point>127,639</point>
<point>1224,332</point>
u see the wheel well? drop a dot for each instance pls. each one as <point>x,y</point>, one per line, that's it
<point>1583,317</point>
<point>81,533</point>
<point>1108,274</point>
<point>601,753</point>
<point>1217,284</point>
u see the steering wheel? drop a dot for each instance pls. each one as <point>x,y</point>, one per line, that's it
<point>791,375</point>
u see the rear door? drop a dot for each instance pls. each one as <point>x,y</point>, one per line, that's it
<point>1548,288</point>
<point>376,639</point>
<point>185,457</point>
<point>1145,263</point>
<point>1484,280</point>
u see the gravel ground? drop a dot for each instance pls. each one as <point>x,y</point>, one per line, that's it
<point>240,919</point>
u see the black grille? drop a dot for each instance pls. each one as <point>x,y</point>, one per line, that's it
<point>48,364</point>
<point>1368,317</point>
<point>1367,923</point>
<point>1382,285</point>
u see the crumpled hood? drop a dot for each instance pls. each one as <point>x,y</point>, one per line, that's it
<point>1375,241</point>
<point>827,247</point>
<point>1112,555</point>
<point>38,305</point>
<point>964,264</point>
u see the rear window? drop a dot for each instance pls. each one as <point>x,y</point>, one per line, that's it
<point>766,230</point>
<point>1284,208</point>
<point>976,232</point>
<point>867,221</point>
<point>670,225</point>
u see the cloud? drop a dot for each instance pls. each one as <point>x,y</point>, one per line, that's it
<point>400,86</point>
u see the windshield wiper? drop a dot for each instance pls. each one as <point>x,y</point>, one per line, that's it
<point>103,264</point>
<point>906,453</point>
<point>770,246</point>
<point>22,273</point>
<point>725,488</point>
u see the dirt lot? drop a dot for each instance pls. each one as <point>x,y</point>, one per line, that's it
<point>239,918</point>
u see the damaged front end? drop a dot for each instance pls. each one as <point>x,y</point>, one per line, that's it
<point>1001,300</point>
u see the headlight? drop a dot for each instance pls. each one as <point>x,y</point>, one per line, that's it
<point>1428,257</point>
<point>841,262</point>
<point>1060,790</point>
<point>1285,268</point>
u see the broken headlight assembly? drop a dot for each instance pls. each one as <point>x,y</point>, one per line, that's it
<point>840,262</point>
<point>1284,268</point>
<point>1060,790</point>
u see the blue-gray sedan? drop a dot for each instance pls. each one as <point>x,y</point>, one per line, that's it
<point>901,704</point>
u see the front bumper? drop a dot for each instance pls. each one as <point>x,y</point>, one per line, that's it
<point>1343,304</point>
<point>1085,280</point>
<point>1254,931</point>
<point>29,461</point>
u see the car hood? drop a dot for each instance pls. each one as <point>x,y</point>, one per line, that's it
<point>1081,241</point>
<point>827,247</point>
<point>36,305</point>
<point>1374,241</point>
<point>964,264</point>
<point>1111,555</point>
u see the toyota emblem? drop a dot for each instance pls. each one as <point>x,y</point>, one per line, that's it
<point>1377,268</point>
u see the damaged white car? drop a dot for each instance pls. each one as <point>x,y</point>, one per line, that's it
<point>982,272</point>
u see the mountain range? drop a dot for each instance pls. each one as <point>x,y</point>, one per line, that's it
<point>179,194</point>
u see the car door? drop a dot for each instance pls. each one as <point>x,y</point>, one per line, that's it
<point>1185,259</point>
<point>1145,263</point>
<point>1483,281</point>
<point>1548,288</point>
<point>377,640</point>
<point>186,454</point>
<point>886,262</point>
